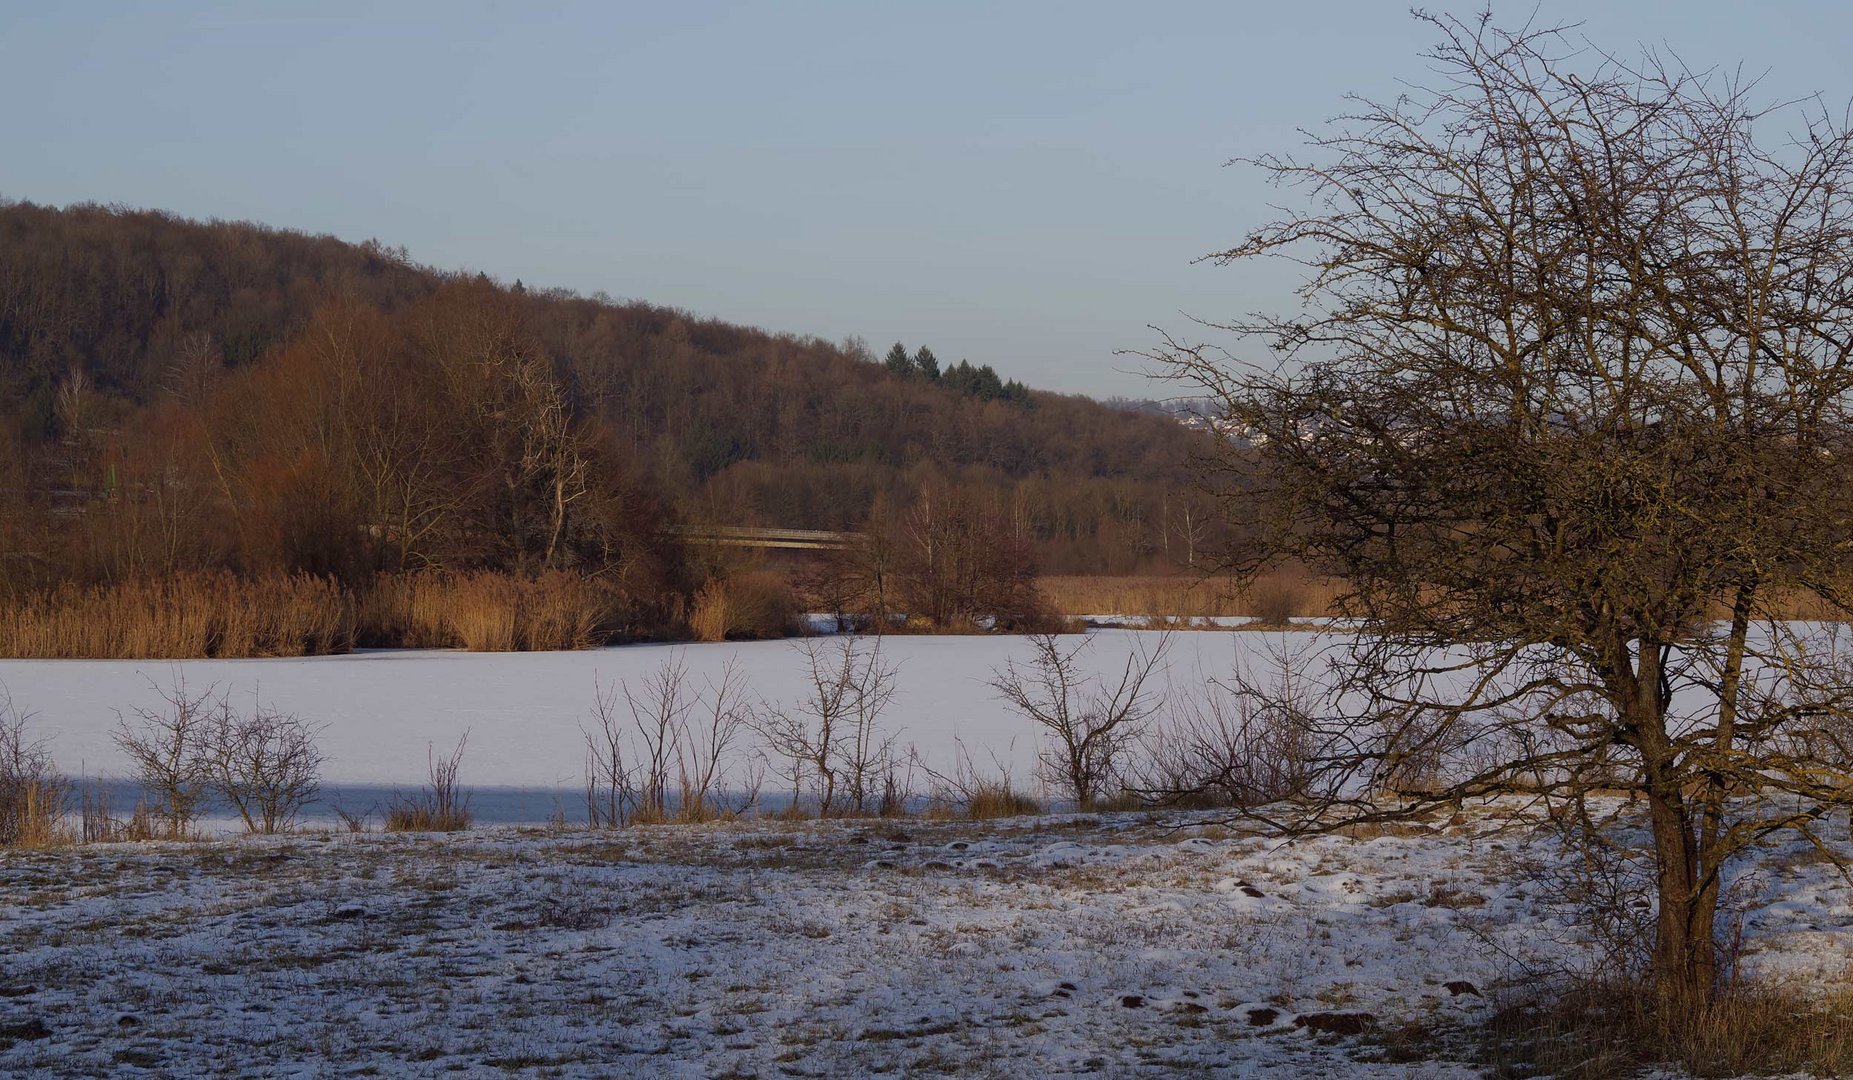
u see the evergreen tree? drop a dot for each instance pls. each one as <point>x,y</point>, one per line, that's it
<point>898,360</point>
<point>927,364</point>
<point>986,384</point>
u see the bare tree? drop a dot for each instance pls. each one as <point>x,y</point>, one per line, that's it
<point>1572,379</point>
<point>169,749</point>
<point>264,763</point>
<point>1088,723</point>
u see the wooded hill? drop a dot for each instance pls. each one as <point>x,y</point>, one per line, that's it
<point>122,312</point>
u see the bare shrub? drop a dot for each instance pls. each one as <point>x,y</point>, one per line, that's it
<point>169,749</point>
<point>708,735</point>
<point>442,805</point>
<point>659,713</point>
<point>1243,740</point>
<point>609,794</point>
<point>32,791</point>
<point>264,763</point>
<point>669,735</point>
<point>1277,600</point>
<point>99,826</point>
<point>350,820</point>
<point>1088,724</point>
<point>968,792</point>
<point>832,737</point>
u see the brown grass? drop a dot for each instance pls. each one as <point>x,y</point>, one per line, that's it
<point>443,805</point>
<point>1273,597</point>
<point>1607,1033</point>
<point>486,612</point>
<point>997,799</point>
<point>745,607</point>
<point>184,617</point>
<point>1168,602</point>
<point>32,812</point>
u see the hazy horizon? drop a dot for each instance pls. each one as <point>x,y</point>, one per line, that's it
<point>1025,188</point>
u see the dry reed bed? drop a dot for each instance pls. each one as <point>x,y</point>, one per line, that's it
<point>195,615</point>
<point>486,612</point>
<point>1284,593</point>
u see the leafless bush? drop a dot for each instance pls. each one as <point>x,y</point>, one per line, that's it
<point>610,795</point>
<point>1246,739</point>
<point>169,748</point>
<point>1277,601</point>
<point>99,826</point>
<point>667,734</point>
<point>1088,724</point>
<point>264,763</point>
<point>659,713</point>
<point>833,736</point>
<point>443,805</point>
<point>708,735</point>
<point>32,792</point>
<point>351,821</point>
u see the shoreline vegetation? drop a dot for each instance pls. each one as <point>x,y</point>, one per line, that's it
<point>219,615</point>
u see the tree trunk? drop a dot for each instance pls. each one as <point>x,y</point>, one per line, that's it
<point>1685,963</point>
<point>1684,966</point>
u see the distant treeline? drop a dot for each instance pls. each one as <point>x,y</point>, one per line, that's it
<point>179,396</point>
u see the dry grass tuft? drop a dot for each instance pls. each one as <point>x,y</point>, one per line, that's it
<point>1608,1033</point>
<point>997,799</point>
<point>443,805</point>
<point>747,607</point>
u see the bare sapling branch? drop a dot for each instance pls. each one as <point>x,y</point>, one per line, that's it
<point>1088,722</point>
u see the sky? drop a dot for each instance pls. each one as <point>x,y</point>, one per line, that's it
<point>1028,185</point>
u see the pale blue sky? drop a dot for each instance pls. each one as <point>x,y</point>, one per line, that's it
<point>1023,185</point>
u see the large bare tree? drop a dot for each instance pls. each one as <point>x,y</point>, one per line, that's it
<point>1567,406</point>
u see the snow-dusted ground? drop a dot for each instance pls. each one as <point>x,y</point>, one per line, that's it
<point>524,712</point>
<point>1057,946</point>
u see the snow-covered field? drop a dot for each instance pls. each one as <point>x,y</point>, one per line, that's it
<point>1067,945</point>
<point>525,712</point>
<point>1056,946</point>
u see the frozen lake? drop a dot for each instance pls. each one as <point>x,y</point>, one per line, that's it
<point>525,711</point>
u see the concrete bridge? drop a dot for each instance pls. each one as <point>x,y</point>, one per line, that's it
<point>755,537</point>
